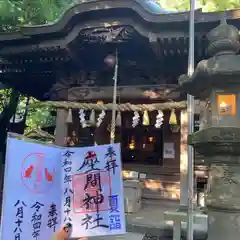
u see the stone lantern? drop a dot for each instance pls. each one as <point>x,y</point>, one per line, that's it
<point>217,81</point>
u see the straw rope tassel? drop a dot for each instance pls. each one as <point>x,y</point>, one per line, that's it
<point>173,118</point>
<point>119,120</point>
<point>92,118</point>
<point>113,123</point>
<point>145,118</point>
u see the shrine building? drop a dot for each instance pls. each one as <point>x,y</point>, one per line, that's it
<point>71,64</point>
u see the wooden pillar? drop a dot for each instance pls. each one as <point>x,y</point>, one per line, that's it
<point>183,160</point>
<point>61,127</point>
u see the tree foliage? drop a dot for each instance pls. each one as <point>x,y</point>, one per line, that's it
<point>206,5</point>
<point>14,13</point>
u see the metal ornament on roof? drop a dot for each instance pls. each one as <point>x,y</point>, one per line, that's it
<point>108,34</point>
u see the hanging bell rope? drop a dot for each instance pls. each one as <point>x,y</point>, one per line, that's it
<point>114,103</point>
<point>109,106</point>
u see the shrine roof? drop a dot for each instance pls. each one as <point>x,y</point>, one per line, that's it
<point>153,7</point>
<point>35,58</point>
<point>147,10</point>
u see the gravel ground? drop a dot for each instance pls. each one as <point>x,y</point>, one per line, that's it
<point>133,236</point>
<point>128,236</point>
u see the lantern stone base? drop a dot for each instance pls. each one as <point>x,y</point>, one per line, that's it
<point>217,141</point>
<point>223,196</point>
<point>223,225</point>
<point>220,147</point>
<point>217,80</point>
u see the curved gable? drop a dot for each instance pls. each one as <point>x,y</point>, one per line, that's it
<point>147,10</point>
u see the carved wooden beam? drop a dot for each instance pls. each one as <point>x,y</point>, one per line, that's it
<point>161,92</point>
<point>155,46</point>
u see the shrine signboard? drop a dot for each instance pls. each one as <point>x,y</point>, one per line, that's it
<point>41,195</point>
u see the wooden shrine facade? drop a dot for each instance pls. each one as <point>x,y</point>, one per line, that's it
<point>47,61</point>
<point>66,61</point>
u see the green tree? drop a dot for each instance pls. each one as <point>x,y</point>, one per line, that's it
<point>206,5</point>
<point>15,13</point>
<point>9,101</point>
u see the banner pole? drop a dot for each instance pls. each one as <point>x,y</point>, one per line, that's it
<point>190,111</point>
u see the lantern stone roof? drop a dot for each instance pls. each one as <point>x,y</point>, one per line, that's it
<point>221,69</point>
<point>35,57</point>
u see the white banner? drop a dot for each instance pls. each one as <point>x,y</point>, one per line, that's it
<point>47,186</point>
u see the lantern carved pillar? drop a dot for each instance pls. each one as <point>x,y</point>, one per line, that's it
<point>217,80</point>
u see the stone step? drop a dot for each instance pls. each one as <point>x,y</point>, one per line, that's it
<point>127,236</point>
<point>157,189</point>
<point>164,178</point>
<point>159,170</point>
<point>162,203</point>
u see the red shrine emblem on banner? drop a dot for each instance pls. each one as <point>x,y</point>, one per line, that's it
<point>37,173</point>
